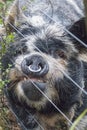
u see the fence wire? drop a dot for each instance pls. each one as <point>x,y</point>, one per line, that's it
<point>82,88</point>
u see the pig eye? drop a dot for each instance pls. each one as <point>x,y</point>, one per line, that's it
<point>21,50</point>
<point>61,54</point>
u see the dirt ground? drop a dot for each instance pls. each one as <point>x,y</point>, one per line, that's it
<point>7,119</point>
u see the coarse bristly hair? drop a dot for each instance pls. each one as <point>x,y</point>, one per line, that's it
<point>42,58</point>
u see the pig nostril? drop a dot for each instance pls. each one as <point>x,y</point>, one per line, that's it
<point>34,65</point>
<point>35,70</point>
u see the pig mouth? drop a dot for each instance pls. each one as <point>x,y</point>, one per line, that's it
<point>32,87</point>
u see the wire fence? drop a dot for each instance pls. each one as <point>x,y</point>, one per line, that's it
<point>3,99</point>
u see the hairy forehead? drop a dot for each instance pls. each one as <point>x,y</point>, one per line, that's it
<point>39,26</point>
<point>49,35</point>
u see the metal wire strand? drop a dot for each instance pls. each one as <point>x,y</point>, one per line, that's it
<point>41,52</point>
<point>36,121</point>
<point>60,70</point>
<point>66,30</point>
<point>19,121</point>
<point>54,105</point>
<point>71,34</point>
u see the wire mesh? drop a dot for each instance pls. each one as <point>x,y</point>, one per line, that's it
<point>4,104</point>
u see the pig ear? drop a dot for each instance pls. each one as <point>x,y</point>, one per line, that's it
<point>15,16</point>
<point>79,30</point>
